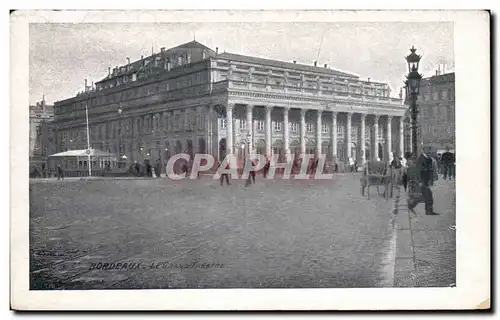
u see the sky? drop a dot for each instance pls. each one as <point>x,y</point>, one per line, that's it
<point>62,55</point>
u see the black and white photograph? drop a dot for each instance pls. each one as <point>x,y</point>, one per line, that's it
<point>248,150</point>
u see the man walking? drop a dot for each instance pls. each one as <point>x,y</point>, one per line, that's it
<point>157,168</point>
<point>426,177</point>
<point>267,166</point>
<point>405,162</point>
<point>351,164</point>
<point>225,175</point>
<point>251,173</point>
<point>60,172</point>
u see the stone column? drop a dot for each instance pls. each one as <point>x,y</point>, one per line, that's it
<point>194,138</point>
<point>375,138</point>
<point>363,138</point>
<point>269,141</point>
<point>229,129</point>
<point>250,128</point>
<point>209,127</point>
<point>334,135</point>
<point>303,130</point>
<point>401,136</point>
<point>349,134</point>
<point>285,130</point>
<point>389,137</point>
<point>318,132</point>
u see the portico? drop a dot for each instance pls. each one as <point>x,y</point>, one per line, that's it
<point>336,131</point>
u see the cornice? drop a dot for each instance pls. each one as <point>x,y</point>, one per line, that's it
<point>319,103</point>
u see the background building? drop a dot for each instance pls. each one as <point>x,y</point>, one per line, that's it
<point>436,105</point>
<point>192,99</point>
<point>41,135</point>
<point>437,111</point>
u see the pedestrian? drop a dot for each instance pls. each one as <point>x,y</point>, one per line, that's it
<point>447,160</point>
<point>405,162</point>
<point>158,168</point>
<point>137,168</point>
<point>296,165</point>
<point>254,165</point>
<point>224,175</point>
<point>395,163</point>
<point>60,172</point>
<point>149,169</point>
<point>351,164</point>
<point>251,173</point>
<point>426,177</point>
<point>266,167</point>
<point>184,167</point>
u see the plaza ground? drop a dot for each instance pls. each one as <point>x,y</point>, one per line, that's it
<point>196,234</point>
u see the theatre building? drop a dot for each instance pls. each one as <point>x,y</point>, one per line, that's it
<point>196,100</point>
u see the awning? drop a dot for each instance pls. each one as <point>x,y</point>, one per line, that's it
<point>83,153</point>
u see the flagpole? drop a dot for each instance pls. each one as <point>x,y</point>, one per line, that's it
<point>88,138</point>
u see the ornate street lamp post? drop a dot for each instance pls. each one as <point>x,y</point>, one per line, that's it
<point>412,85</point>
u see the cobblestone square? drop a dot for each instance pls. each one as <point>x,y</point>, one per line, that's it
<point>158,233</point>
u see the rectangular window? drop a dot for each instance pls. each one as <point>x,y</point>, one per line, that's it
<point>294,126</point>
<point>260,125</point>
<point>165,121</point>
<point>223,123</point>
<point>325,128</point>
<point>278,126</point>
<point>340,130</point>
<point>177,121</point>
<point>243,124</point>
<point>186,121</point>
<point>310,127</point>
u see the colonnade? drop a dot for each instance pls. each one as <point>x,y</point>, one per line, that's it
<point>319,132</point>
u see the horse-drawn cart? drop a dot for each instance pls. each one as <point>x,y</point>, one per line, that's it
<point>376,173</point>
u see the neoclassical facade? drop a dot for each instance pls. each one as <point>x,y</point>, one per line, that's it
<point>196,100</point>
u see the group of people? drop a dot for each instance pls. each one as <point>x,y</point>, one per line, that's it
<point>145,168</point>
<point>296,168</point>
<point>447,161</point>
<point>428,168</point>
<point>36,172</point>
